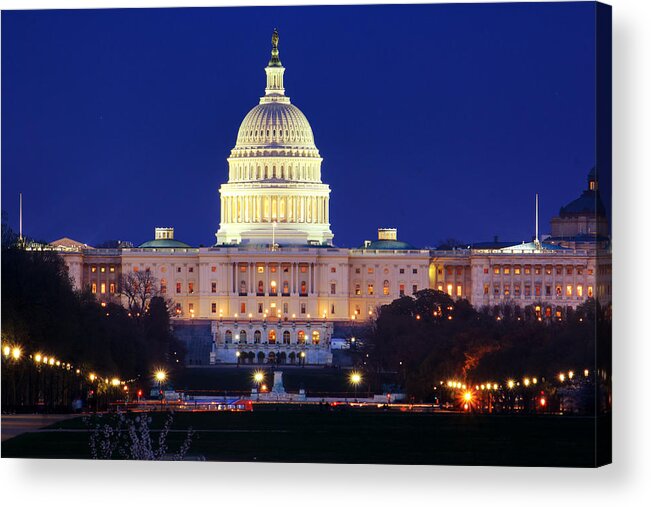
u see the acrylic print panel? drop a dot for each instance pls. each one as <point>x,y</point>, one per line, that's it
<point>189,234</point>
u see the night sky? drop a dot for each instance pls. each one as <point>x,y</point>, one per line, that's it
<point>440,120</point>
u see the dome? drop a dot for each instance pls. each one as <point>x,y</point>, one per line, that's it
<point>275,125</point>
<point>164,243</point>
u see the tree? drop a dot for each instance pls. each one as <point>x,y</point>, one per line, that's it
<point>138,288</point>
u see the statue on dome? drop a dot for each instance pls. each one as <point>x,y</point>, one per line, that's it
<point>274,39</point>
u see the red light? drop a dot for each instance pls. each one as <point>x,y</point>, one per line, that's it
<point>139,392</point>
<point>543,401</point>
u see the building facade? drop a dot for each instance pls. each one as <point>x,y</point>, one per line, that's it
<point>273,287</point>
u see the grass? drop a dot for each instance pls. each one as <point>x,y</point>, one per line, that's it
<point>354,436</point>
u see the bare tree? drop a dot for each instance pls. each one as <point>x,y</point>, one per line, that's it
<point>138,288</point>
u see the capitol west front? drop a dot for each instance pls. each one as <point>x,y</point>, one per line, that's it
<point>274,287</point>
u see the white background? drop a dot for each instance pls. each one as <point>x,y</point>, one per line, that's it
<point>626,482</point>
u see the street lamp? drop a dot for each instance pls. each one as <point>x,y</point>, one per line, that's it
<point>237,355</point>
<point>160,376</point>
<point>355,378</point>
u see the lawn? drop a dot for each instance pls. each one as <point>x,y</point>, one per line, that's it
<point>354,436</point>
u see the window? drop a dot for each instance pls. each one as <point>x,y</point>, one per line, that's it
<point>590,271</point>
<point>548,290</point>
<point>559,291</point>
<point>507,270</point>
<point>135,269</point>
<point>191,288</point>
<point>162,270</point>
<point>516,270</point>
<point>357,310</point>
<point>516,290</point>
<point>102,269</point>
<point>402,289</point>
<point>272,337</point>
<point>260,269</point>
<point>369,289</point>
<point>285,269</point>
<point>358,290</point>
<point>537,290</point>
<point>568,291</point>
<point>286,338</point>
<point>332,309</point>
<point>93,269</point>
<point>415,271</point>
<point>286,287</point>
<point>496,270</point>
<point>485,271</point>
<point>303,269</point>
<point>579,270</point>
<point>273,268</point>
<point>213,287</point>
<point>537,270</point>
<point>178,287</point>
<point>257,335</point>
<point>112,288</point>
<point>191,307</point>
<point>178,270</point>
<point>112,269</point>
<point>507,290</point>
<point>333,288</point>
<point>496,289</point>
<point>569,270</point>
<point>448,270</point>
<point>402,271</point>
<point>260,308</point>
<point>316,337</point>
<point>485,289</point>
<point>303,288</point>
<point>260,288</point>
<point>191,270</point>
<point>301,337</point>
<point>228,336</point>
<point>285,307</point>
<point>385,287</point>
<point>371,271</point>
<point>357,270</point>
<point>459,291</point>
<point>214,269</point>
<point>303,308</point>
<point>414,289</point>
<point>273,288</point>
<point>527,270</point>
<point>102,288</point>
<point>449,289</point>
<point>559,270</point>
<point>386,271</point>
<point>243,308</point>
<point>589,291</point>
<point>527,291</point>
<point>548,270</point>
<point>333,269</point>
<point>163,286</point>
<point>242,336</point>
<point>213,308</point>
<point>579,291</point>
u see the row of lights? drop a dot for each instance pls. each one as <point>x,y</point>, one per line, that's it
<point>526,381</point>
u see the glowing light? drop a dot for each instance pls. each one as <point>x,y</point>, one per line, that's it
<point>467,396</point>
<point>37,358</point>
<point>160,375</point>
<point>58,363</point>
<point>570,374</point>
<point>534,380</point>
<point>258,377</point>
<point>511,384</point>
<point>495,387</point>
<point>6,350</point>
<point>561,377</point>
<point>92,377</point>
<point>527,382</point>
<point>586,373</point>
<point>355,378</point>
<point>482,387</point>
<point>543,402</point>
<point>16,352</point>
<point>51,361</point>
<point>115,382</point>
<point>449,383</point>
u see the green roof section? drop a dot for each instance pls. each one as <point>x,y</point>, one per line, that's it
<point>164,243</point>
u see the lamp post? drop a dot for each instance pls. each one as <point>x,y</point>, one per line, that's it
<point>355,378</point>
<point>160,376</point>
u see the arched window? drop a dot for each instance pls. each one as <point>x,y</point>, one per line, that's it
<point>385,287</point>
<point>257,335</point>
<point>242,336</point>
<point>273,289</point>
<point>303,287</point>
<point>272,337</point>
<point>228,336</point>
<point>301,337</point>
<point>243,287</point>
<point>316,337</point>
<point>260,288</point>
<point>286,337</point>
<point>285,287</point>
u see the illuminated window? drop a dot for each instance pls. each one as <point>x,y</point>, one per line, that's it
<point>260,269</point>
<point>301,337</point>
<point>93,288</point>
<point>357,310</point>
<point>178,287</point>
<point>527,270</point>
<point>213,308</point>
<point>303,269</point>
<point>559,291</point>
<point>507,289</point>
<point>568,291</point>
<point>371,271</point>
<point>303,288</point>
<point>485,271</point>
<point>333,288</point>
<point>590,271</point>
<point>191,287</point>
<point>579,270</point>
<point>213,287</point>
<point>449,289</point>
<point>402,289</point>
<point>485,289</point>
<point>385,288</point>
<point>358,290</point>
<point>286,287</point>
<point>112,288</point>
<point>333,269</point>
<point>579,291</point>
<point>273,268</point>
<point>242,308</point>
<point>93,269</point>
<point>496,270</point>
<point>370,289</point>
<point>214,268</point>
<point>459,291</point>
<point>548,270</point>
<point>102,288</point>
<point>537,290</point>
<point>316,337</point>
<point>537,270</point>
<point>507,270</point>
<point>112,269</point>
<point>272,337</point>
<point>273,288</point>
<point>440,288</point>
<point>191,307</point>
<point>102,269</point>
<point>260,288</point>
<point>163,286</point>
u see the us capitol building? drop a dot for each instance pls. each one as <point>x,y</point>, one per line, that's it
<point>274,287</point>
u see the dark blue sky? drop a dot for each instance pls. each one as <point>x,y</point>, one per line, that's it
<point>441,120</point>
